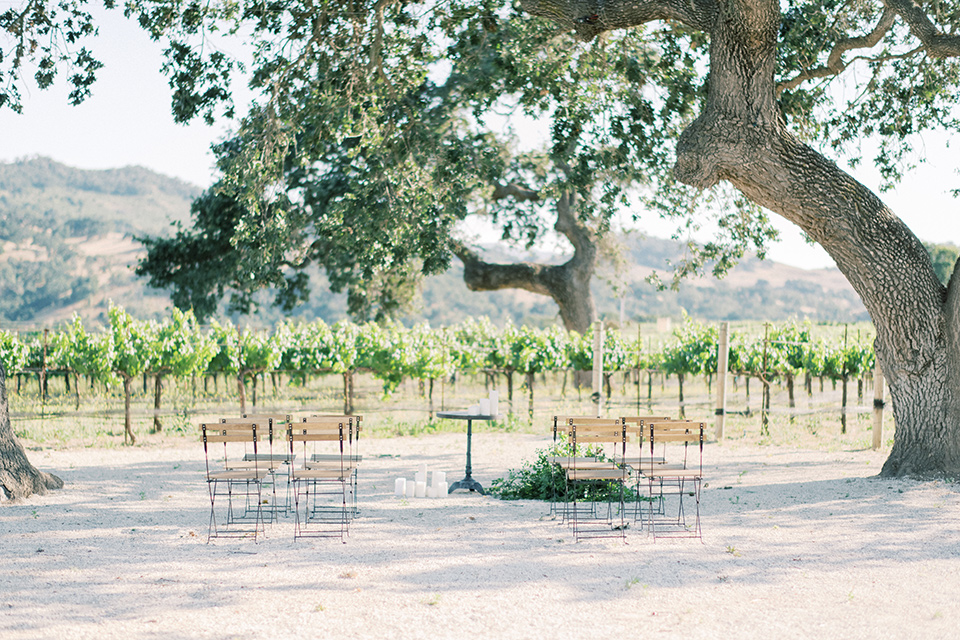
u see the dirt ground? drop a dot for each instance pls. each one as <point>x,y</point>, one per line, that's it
<point>796,544</point>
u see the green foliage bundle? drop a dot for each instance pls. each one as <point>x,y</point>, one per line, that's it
<point>544,480</point>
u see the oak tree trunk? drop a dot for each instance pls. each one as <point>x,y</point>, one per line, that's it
<point>18,478</point>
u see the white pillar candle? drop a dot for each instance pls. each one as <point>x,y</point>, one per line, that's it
<point>420,476</point>
<point>400,487</point>
<point>431,492</point>
<point>421,491</point>
<point>494,403</point>
<point>437,477</point>
<point>411,488</point>
<point>442,489</point>
<point>484,406</point>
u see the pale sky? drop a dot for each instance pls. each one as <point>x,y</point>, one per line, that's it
<point>127,121</point>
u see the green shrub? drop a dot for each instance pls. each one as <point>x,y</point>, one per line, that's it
<point>543,480</point>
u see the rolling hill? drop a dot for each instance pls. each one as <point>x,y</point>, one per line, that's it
<point>68,245</point>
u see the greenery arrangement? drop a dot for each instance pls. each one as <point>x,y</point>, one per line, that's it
<point>541,479</point>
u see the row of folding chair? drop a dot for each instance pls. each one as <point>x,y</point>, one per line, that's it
<point>266,460</point>
<point>599,461</point>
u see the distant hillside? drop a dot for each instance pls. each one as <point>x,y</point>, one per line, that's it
<point>66,237</point>
<point>67,246</point>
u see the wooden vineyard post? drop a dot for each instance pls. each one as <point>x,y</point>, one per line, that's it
<point>598,366</point>
<point>722,363</point>
<point>878,405</point>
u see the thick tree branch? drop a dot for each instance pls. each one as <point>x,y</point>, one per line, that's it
<point>936,43</point>
<point>835,64</point>
<point>590,18</point>
<point>515,191</point>
<point>480,275</point>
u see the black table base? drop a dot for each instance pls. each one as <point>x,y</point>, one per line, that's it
<point>468,482</point>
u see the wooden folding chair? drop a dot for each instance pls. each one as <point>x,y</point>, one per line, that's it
<point>677,481</point>
<point>605,473</point>
<point>560,429</point>
<point>321,487</point>
<point>636,427</point>
<point>352,424</point>
<point>240,486</point>
<point>275,460</point>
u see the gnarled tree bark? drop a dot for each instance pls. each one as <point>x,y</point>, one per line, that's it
<point>568,283</point>
<point>742,138</point>
<point>18,478</point>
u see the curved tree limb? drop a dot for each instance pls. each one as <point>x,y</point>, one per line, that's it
<point>936,43</point>
<point>568,283</point>
<point>835,64</point>
<point>590,18</point>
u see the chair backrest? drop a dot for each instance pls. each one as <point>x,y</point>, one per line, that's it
<point>584,432</point>
<point>683,432</point>
<point>560,422</point>
<point>637,427</point>
<point>351,422</point>
<point>278,418</point>
<point>225,433</point>
<point>311,431</point>
<point>265,425</point>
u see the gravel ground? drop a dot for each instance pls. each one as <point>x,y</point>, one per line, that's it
<point>796,544</point>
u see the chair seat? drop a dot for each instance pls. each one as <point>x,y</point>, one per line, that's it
<point>330,464</point>
<point>673,473</point>
<point>269,465</point>
<point>271,457</point>
<point>332,457</point>
<point>321,474</point>
<point>238,474</point>
<point>598,474</point>
<point>638,461</point>
<point>587,464</point>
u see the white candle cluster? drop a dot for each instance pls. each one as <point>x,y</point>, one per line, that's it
<point>488,406</point>
<point>419,488</point>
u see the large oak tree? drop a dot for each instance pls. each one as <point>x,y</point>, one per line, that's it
<point>742,136</point>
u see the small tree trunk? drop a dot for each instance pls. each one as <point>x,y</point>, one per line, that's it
<point>746,387</point>
<point>791,401</point>
<point>530,378</point>
<point>254,382</point>
<point>76,389</point>
<point>242,391</point>
<point>430,398</point>
<point>509,375</point>
<point>765,408</point>
<point>128,437</point>
<point>157,391</point>
<point>348,392</point>
<point>680,392</point>
<point>843,406</point>
<point>18,478</point>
